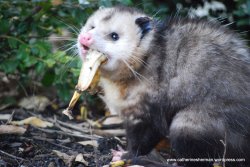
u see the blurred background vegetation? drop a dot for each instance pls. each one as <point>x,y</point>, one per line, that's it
<point>37,38</point>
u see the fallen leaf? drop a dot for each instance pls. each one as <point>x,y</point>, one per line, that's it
<point>89,142</point>
<point>33,121</point>
<point>67,159</point>
<point>79,158</point>
<point>38,103</point>
<point>110,132</point>
<point>52,164</point>
<point>5,116</point>
<point>112,120</point>
<point>11,129</point>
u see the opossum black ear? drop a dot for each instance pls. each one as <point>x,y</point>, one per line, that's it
<point>145,23</point>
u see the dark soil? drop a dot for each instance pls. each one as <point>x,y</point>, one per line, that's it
<point>35,147</point>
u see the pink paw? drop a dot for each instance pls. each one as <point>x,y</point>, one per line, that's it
<point>117,154</point>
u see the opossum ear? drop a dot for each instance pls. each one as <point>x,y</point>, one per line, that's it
<point>145,23</point>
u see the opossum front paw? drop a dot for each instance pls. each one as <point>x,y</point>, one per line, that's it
<point>118,155</point>
<point>120,158</point>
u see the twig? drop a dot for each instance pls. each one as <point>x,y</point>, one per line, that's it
<point>50,141</point>
<point>11,117</point>
<point>69,134</point>
<point>91,136</point>
<point>72,126</point>
<point>14,38</point>
<point>78,133</point>
<point>66,131</point>
<point>12,156</point>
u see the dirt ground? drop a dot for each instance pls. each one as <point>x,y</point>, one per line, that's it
<point>55,146</point>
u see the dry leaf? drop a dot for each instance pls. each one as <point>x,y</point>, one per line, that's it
<point>5,116</point>
<point>33,121</point>
<point>38,103</point>
<point>67,159</point>
<point>110,132</point>
<point>79,158</point>
<point>11,129</point>
<point>89,142</point>
<point>112,120</point>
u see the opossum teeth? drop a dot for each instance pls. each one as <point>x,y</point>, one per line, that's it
<point>89,77</point>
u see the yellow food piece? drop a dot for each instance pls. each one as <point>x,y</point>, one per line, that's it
<point>89,70</point>
<point>117,163</point>
<point>89,77</point>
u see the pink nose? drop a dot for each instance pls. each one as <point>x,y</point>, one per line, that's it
<point>86,39</point>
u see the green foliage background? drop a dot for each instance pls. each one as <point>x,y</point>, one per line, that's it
<point>25,26</point>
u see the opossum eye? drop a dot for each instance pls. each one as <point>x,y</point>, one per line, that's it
<point>92,27</point>
<point>114,36</point>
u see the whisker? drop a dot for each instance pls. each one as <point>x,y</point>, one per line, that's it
<point>72,27</point>
<point>136,74</point>
<point>73,46</point>
<point>131,69</point>
<point>61,39</point>
<point>66,45</point>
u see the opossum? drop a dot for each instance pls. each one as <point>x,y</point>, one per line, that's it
<point>184,79</point>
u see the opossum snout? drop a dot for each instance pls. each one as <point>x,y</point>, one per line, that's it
<point>86,39</point>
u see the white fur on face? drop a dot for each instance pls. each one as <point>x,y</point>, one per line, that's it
<point>122,23</point>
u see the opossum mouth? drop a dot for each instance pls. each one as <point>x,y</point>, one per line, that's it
<point>84,50</point>
<point>85,47</point>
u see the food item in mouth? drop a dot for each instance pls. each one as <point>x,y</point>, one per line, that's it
<point>89,77</point>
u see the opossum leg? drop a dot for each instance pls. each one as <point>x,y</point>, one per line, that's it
<point>197,134</point>
<point>142,137</point>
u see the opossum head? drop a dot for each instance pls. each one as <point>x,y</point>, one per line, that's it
<point>123,34</point>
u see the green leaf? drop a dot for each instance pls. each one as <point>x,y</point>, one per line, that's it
<point>248,7</point>
<point>243,22</point>
<point>12,43</point>
<point>105,3</point>
<point>34,50</point>
<point>4,28</point>
<point>48,78</point>
<point>44,48</point>
<point>126,2</point>
<point>58,55</point>
<point>40,67</point>
<point>22,52</point>
<point>9,65</point>
<point>75,71</point>
<point>64,92</point>
<point>50,62</point>
<point>30,60</point>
